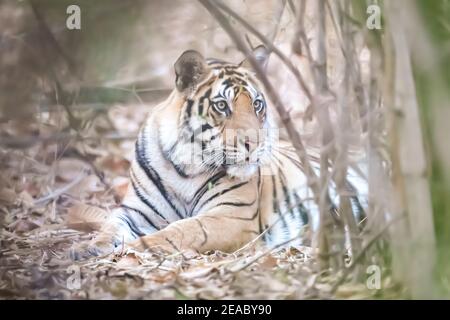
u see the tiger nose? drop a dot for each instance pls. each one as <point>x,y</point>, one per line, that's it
<point>248,144</point>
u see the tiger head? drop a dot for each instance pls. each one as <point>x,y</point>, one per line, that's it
<point>224,122</point>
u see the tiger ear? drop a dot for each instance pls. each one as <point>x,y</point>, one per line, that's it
<point>190,70</point>
<point>261,54</point>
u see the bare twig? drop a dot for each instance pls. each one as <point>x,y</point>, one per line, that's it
<point>346,43</point>
<point>277,18</point>
<point>265,253</point>
<point>29,141</point>
<point>273,95</point>
<point>341,162</point>
<point>362,253</point>
<point>279,219</point>
<point>269,44</point>
<point>51,39</point>
<point>56,193</point>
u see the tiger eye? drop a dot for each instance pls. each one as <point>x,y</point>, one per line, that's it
<point>221,105</point>
<point>259,105</point>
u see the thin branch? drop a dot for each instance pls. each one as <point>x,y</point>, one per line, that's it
<point>29,141</point>
<point>269,44</point>
<point>362,253</point>
<point>56,193</point>
<point>277,18</point>
<point>51,38</point>
<point>272,93</point>
<point>267,230</point>
<point>348,51</point>
<point>265,253</point>
<point>341,163</point>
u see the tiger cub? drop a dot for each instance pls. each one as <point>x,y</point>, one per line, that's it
<point>210,171</point>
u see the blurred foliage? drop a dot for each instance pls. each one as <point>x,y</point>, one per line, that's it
<point>42,58</point>
<point>436,18</point>
<point>130,44</point>
<point>107,38</point>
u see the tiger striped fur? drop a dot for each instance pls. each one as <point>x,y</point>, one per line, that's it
<point>197,183</point>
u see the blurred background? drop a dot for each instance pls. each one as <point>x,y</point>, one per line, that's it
<point>72,101</point>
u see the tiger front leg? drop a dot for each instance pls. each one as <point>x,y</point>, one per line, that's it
<point>113,234</point>
<point>223,228</point>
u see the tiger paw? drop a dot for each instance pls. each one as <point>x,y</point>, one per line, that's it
<point>152,243</point>
<point>90,249</point>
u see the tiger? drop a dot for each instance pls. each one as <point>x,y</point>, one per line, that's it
<point>210,170</point>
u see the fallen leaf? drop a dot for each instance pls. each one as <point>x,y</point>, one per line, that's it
<point>84,217</point>
<point>269,262</point>
<point>8,196</point>
<point>22,226</point>
<point>120,187</point>
<point>26,199</point>
<point>353,291</point>
<point>69,168</point>
<point>129,260</point>
<point>116,164</point>
<point>86,187</point>
<point>196,273</point>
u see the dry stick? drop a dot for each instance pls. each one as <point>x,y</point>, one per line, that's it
<point>282,56</point>
<point>363,251</point>
<point>318,67</point>
<point>342,151</point>
<point>293,134</point>
<point>278,16</point>
<point>321,83</point>
<point>59,191</point>
<point>284,115</point>
<point>376,171</point>
<point>51,40</point>
<point>319,73</point>
<point>98,172</point>
<point>296,73</point>
<point>291,5</point>
<point>252,242</point>
<point>352,75</point>
<point>270,46</point>
<point>249,263</point>
<point>296,43</point>
<point>29,141</point>
<point>355,72</point>
<point>318,70</point>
